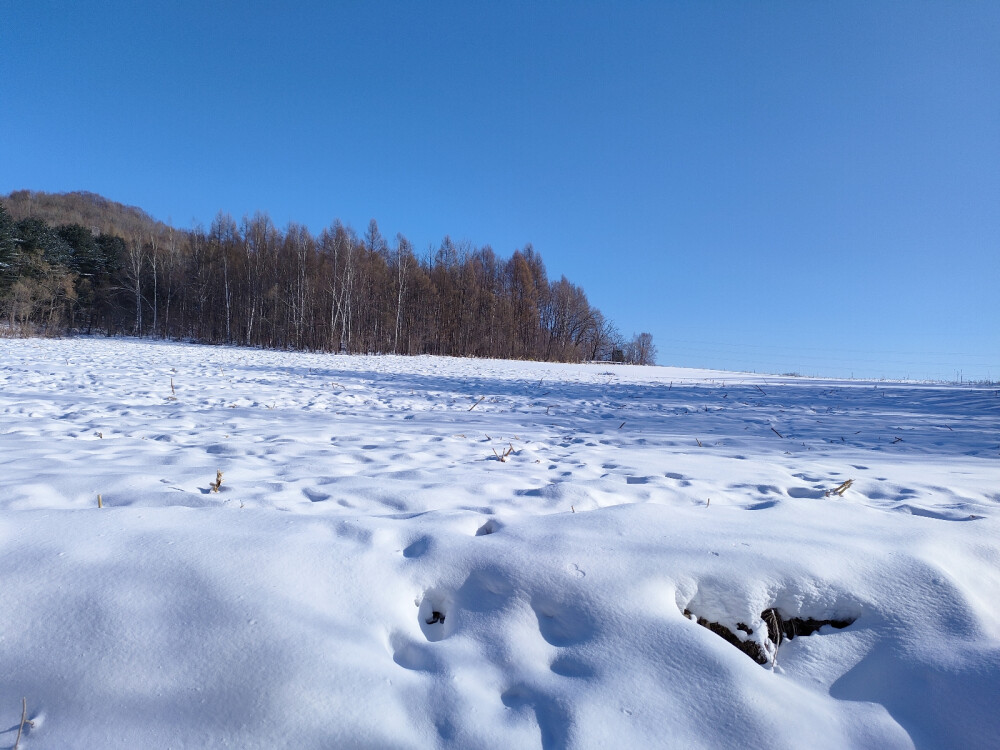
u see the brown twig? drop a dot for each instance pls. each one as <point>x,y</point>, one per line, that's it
<point>777,433</point>
<point>506,453</point>
<point>839,490</point>
<point>24,720</point>
<point>477,403</point>
<point>100,502</point>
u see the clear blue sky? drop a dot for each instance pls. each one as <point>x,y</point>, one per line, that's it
<point>779,186</point>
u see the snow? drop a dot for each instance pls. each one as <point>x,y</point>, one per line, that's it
<point>361,495</point>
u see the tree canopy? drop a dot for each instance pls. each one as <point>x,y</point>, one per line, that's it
<point>78,261</point>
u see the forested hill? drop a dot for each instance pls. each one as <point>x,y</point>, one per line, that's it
<point>79,262</point>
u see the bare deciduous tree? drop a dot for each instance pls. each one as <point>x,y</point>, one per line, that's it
<point>251,283</point>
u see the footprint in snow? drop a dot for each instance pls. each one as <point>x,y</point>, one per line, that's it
<point>805,493</point>
<point>568,666</point>
<point>417,548</point>
<point>637,480</point>
<point>762,505</point>
<point>561,625</point>
<point>411,655</point>
<point>490,527</point>
<point>552,717</point>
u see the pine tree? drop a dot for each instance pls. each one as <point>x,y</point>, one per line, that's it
<point>8,250</point>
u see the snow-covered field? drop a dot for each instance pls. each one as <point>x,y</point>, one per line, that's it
<point>370,574</point>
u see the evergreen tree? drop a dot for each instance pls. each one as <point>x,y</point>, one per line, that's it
<point>8,250</point>
<point>85,257</point>
<point>42,242</point>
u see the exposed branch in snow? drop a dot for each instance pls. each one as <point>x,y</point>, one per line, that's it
<point>839,490</point>
<point>24,720</point>
<point>506,453</point>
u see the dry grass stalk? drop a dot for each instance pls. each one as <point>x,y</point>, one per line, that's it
<point>214,486</point>
<point>477,403</point>
<point>100,502</point>
<point>508,451</point>
<point>24,720</point>
<point>777,433</point>
<point>173,392</point>
<point>698,442</point>
<point>839,490</point>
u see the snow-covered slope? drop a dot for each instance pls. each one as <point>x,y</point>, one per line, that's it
<point>370,574</point>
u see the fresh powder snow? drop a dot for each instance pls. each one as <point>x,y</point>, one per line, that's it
<point>316,551</point>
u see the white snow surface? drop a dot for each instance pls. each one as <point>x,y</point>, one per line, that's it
<point>361,495</point>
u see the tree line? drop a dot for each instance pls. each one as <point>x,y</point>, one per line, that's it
<point>79,262</point>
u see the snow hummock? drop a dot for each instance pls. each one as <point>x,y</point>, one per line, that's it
<point>369,574</point>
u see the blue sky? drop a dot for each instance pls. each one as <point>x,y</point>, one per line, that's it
<point>777,186</point>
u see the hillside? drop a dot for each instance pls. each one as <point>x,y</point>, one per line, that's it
<point>97,213</point>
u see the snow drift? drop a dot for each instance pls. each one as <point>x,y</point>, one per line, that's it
<point>369,574</point>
